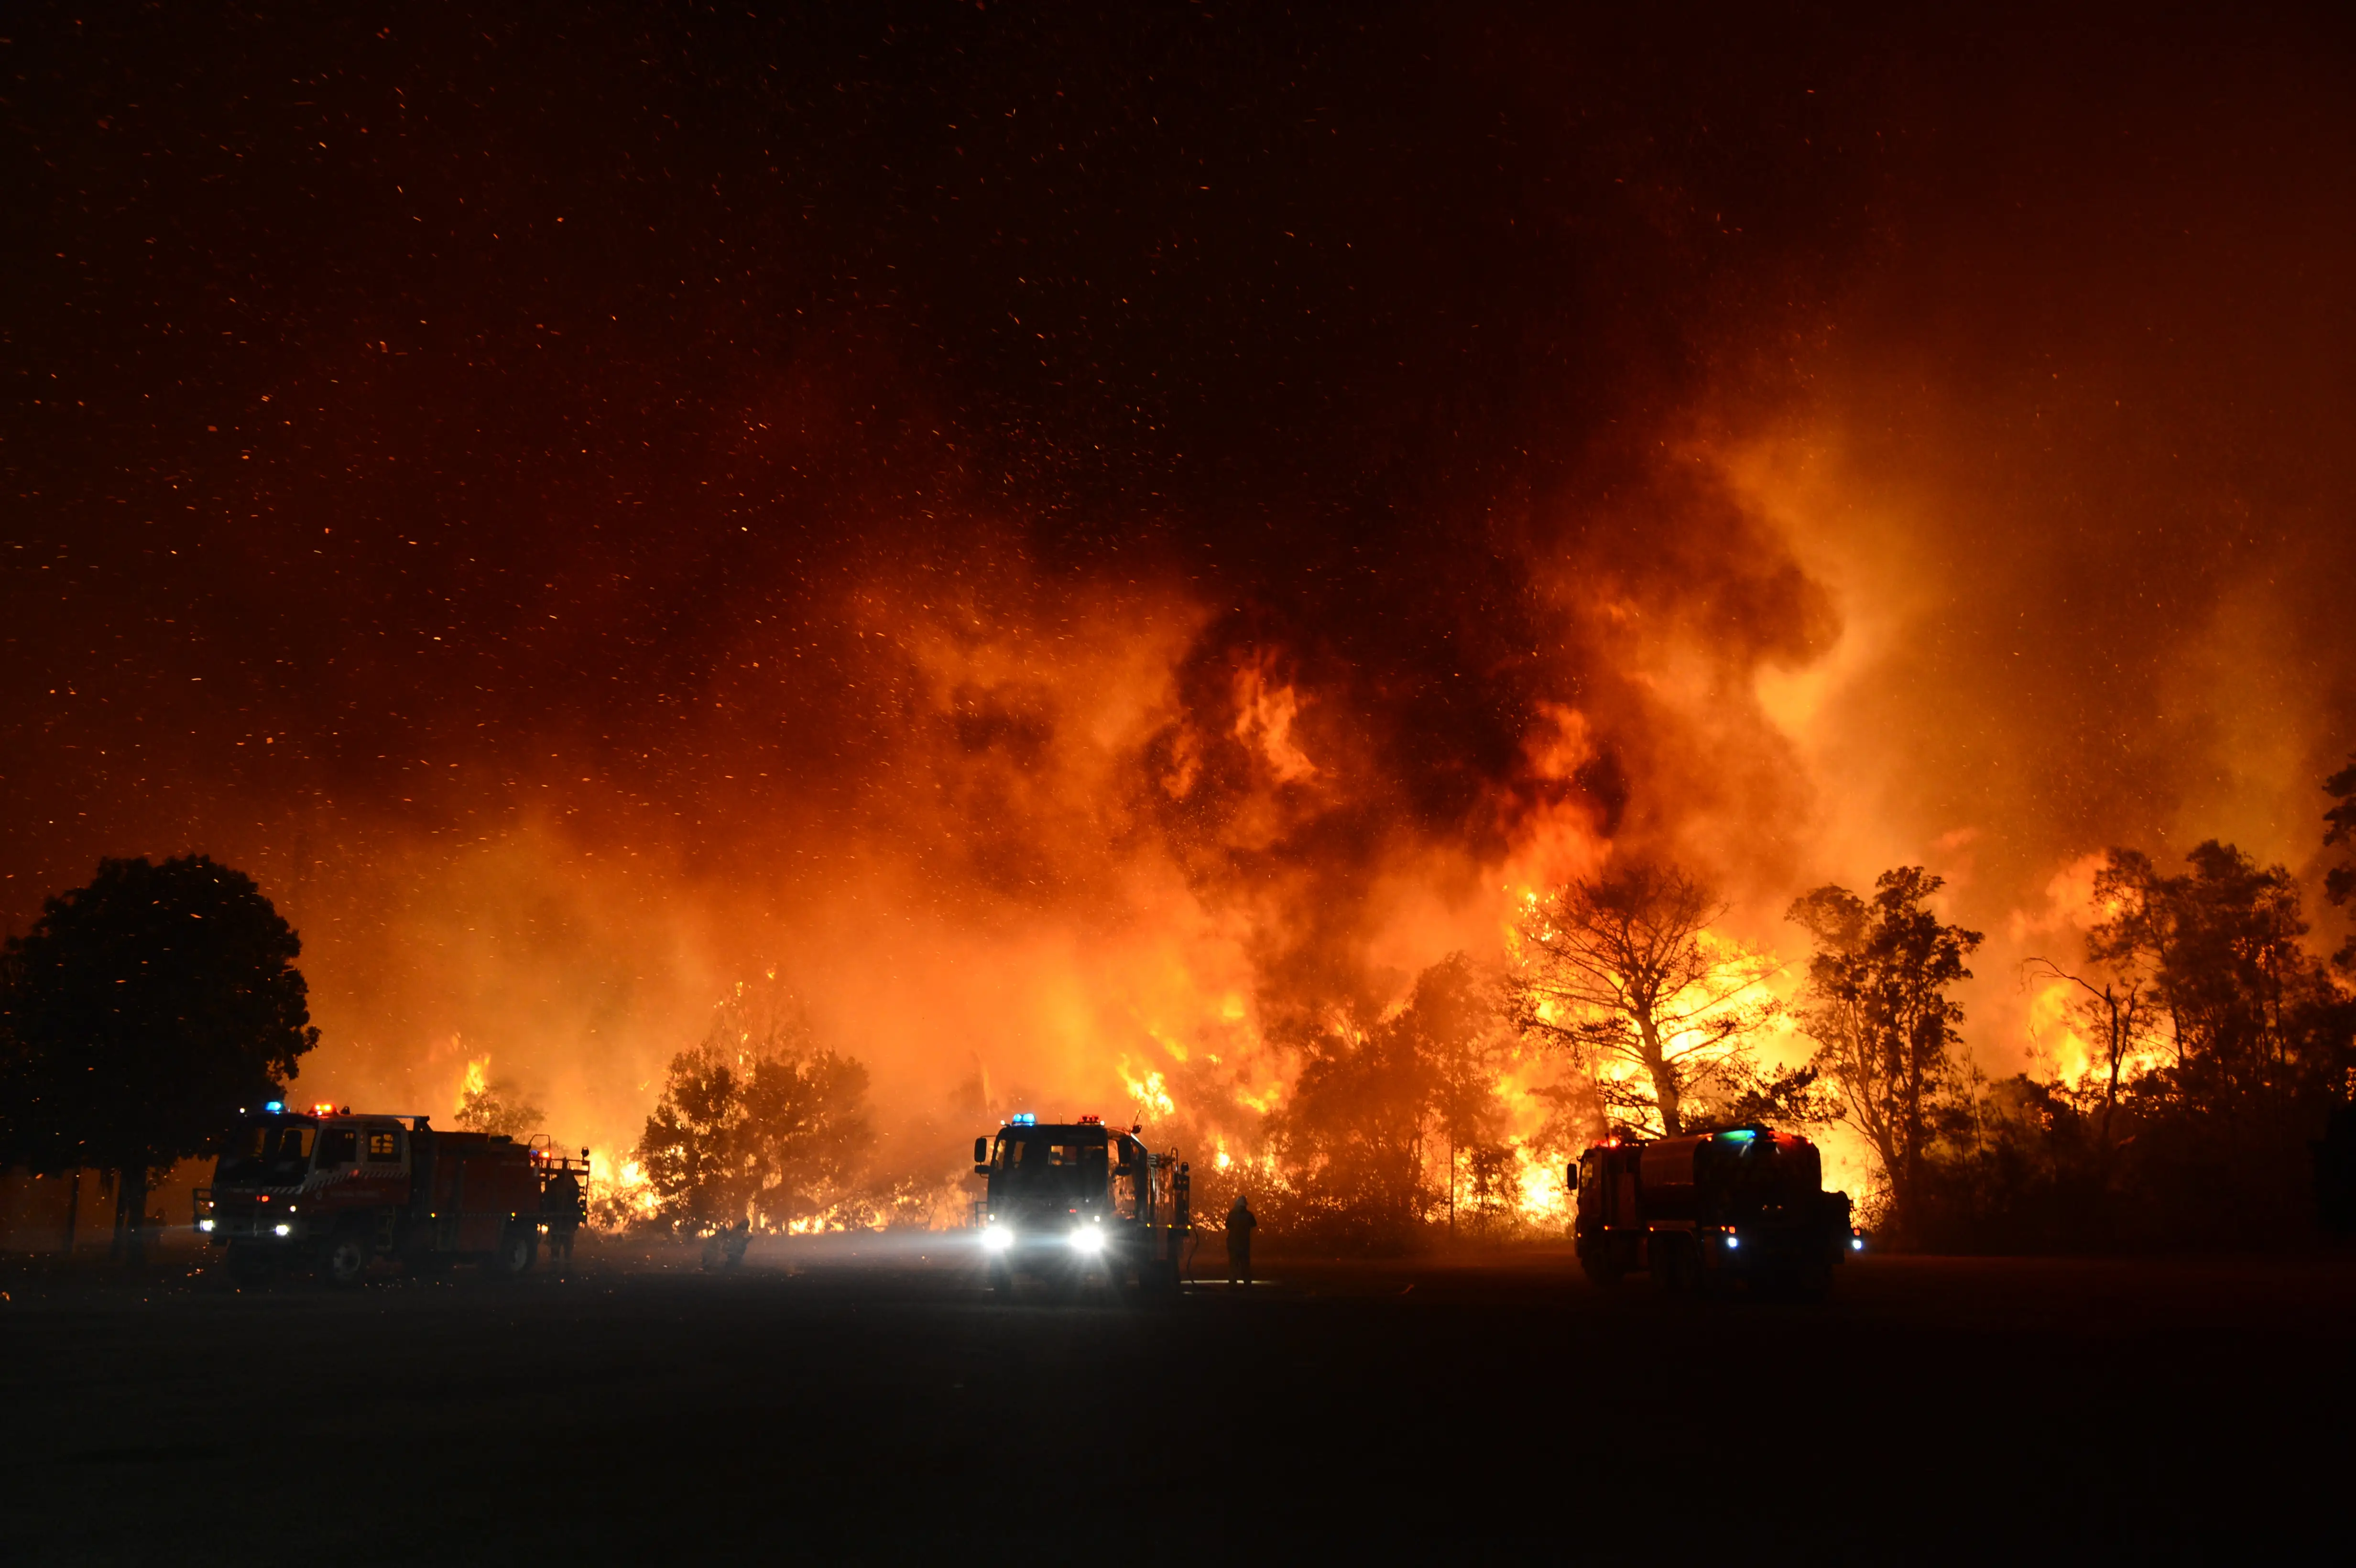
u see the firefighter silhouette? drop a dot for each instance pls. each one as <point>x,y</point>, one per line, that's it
<point>565,1208</point>
<point>725,1248</point>
<point>1240,1221</point>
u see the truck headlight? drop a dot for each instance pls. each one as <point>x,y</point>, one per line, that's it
<point>204,1224</point>
<point>997,1237</point>
<point>1088,1238</point>
<point>1733,1241</point>
<point>1856,1243</point>
<point>282,1230</point>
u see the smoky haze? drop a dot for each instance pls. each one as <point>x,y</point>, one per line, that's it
<point>1076,543</point>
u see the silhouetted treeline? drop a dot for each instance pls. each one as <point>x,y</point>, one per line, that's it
<point>136,1018</point>
<point>2198,1092</point>
<point>2221,1049</point>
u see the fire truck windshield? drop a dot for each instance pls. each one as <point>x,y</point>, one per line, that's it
<point>272,1153</point>
<point>1070,1160</point>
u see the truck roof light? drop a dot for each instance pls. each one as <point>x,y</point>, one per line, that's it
<point>323,1109</point>
<point>1091,1121</point>
<point>1023,1119</point>
<point>1738,1136</point>
<point>273,1106</point>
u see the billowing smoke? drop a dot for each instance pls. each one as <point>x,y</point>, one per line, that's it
<point>1076,542</point>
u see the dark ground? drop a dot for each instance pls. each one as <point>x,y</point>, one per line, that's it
<point>831,1403</point>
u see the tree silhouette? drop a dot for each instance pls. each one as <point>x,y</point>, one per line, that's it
<point>142,1013</point>
<point>1353,1135</point>
<point>689,1148</point>
<point>2339,882</point>
<point>1383,1103</point>
<point>757,1121</point>
<point>1878,1008</point>
<point>2222,945</point>
<point>1457,1023</point>
<point>2119,1013</point>
<point>1622,969</point>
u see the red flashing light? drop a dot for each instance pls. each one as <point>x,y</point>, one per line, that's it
<point>1091,1121</point>
<point>323,1109</point>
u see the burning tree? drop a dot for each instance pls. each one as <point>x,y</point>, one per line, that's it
<point>1622,970</point>
<point>488,1105</point>
<point>1395,1122</point>
<point>2119,1014</point>
<point>2221,945</point>
<point>1878,1010</point>
<point>1351,1138</point>
<point>1459,1025</point>
<point>756,1121</point>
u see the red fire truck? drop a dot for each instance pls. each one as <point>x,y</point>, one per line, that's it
<point>1710,1212</point>
<point>335,1190</point>
<point>1080,1203</point>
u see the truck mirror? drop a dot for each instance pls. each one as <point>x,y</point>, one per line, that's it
<point>1571,1175</point>
<point>982,1151</point>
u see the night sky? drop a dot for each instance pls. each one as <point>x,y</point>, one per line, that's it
<point>444,448</point>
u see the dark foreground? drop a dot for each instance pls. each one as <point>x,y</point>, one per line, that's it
<point>827,1403</point>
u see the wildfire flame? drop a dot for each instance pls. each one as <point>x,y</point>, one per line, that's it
<point>474,1082</point>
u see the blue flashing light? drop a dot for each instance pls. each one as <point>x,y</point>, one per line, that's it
<point>273,1106</point>
<point>1023,1119</point>
<point>1738,1136</point>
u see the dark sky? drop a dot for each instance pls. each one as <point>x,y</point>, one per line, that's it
<point>414,410</point>
<point>429,325</point>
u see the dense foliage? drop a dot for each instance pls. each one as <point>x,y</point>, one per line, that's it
<point>757,1124</point>
<point>142,1013</point>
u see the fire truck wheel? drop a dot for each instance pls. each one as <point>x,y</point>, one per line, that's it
<point>1602,1266</point>
<point>345,1259</point>
<point>1002,1279</point>
<point>517,1249</point>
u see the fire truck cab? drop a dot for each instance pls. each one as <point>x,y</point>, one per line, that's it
<point>336,1190</point>
<point>1079,1202</point>
<point>1713,1211</point>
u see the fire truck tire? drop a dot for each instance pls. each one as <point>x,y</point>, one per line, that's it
<point>1602,1266</point>
<point>1002,1279</point>
<point>345,1259</point>
<point>250,1265</point>
<point>517,1250</point>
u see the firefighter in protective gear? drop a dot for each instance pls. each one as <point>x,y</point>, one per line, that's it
<point>1240,1221</point>
<point>566,1208</point>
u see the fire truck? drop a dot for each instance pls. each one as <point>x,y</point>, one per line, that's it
<point>1714,1211</point>
<point>1080,1203</point>
<point>333,1190</point>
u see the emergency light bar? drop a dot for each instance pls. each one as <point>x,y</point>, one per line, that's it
<point>1023,1119</point>
<point>1091,1121</point>
<point>273,1106</point>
